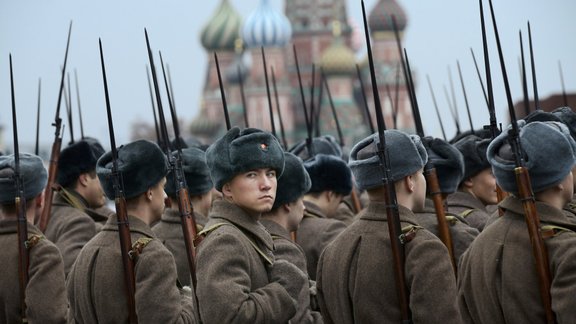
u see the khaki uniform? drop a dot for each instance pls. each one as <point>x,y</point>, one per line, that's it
<point>345,212</point>
<point>462,233</point>
<point>169,231</point>
<point>45,294</point>
<point>468,207</point>
<point>96,289</point>
<point>356,279</point>
<point>286,249</point>
<point>69,227</point>
<point>570,210</point>
<point>100,216</point>
<point>497,277</point>
<point>233,264</point>
<point>315,233</point>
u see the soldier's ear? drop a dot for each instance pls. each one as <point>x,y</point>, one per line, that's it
<point>467,183</point>
<point>82,179</point>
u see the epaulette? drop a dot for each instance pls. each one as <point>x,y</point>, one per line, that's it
<point>467,212</point>
<point>33,240</point>
<point>452,220</point>
<point>549,231</point>
<point>409,232</point>
<point>200,237</point>
<point>138,246</point>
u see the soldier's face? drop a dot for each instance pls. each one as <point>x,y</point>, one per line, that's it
<point>419,190</point>
<point>254,191</point>
<point>95,194</point>
<point>568,188</point>
<point>157,198</point>
<point>483,187</point>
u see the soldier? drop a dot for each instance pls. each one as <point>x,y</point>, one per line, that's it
<point>355,274</point>
<point>239,279</point>
<point>449,165</point>
<point>96,287</point>
<point>73,220</point>
<point>284,218</point>
<point>478,187</point>
<point>331,181</point>
<point>169,229</point>
<point>45,293</point>
<point>497,276</point>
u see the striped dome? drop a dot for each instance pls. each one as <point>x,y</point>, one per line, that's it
<point>266,27</point>
<point>223,29</point>
<point>380,18</point>
<point>338,59</point>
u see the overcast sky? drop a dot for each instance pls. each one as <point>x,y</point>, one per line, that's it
<point>438,33</point>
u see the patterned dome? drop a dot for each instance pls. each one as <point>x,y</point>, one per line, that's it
<point>266,27</point>
<point>380,18</point>
<point>223,29</point>
<point>338,58</point>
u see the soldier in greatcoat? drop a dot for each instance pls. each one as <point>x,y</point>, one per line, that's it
<point>239,280</point>
<point>45,293</point>
<point>449,165</point>
<point>331,181</point>
<point>497,278</point>
<point>169,228</point>
<point>96,287</point>
<point>284,218</point>
<point>74,219</point>
<point>356,281</point>
<point>477,190</point>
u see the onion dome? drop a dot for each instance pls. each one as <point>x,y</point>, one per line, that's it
<point>266,27</point>
<point>237,70</point>
<point>380,18</point>
<point>223,29</point>
<point>338,58</point>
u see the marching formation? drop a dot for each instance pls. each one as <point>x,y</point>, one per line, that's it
<point>402,228</point>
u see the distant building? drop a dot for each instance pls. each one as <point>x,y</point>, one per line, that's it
<point>322,35</point>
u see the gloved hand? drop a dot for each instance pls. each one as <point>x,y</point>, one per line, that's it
<point>290,277</point>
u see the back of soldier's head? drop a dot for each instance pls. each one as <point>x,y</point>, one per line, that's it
<point>32,174</point>
<point>325,144</point>
<point>329,173</point>
<point>196,173</point>
<point>448,162</point>
<point>77,158</point>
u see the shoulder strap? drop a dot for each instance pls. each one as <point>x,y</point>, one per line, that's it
<point>138,246</point>
<point>467,212</point>
<point>33,240</point>
<point>409,232</point>
<point>200,237</point>
<point>549,231</point>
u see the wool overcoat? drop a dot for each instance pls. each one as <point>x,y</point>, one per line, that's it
<point>468,207</point>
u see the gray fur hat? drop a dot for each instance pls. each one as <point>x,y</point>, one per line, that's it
<point>141,164</point>
<point>243,150</point>
<point>325,144</point>
<point>549,154</point>
<point>473,149</point>
<point>77,158</point>
<point>329,172</point>
<point>196,173</point>
<point>33,174</point>
<point>448,162</point>
<point>293,183</point>
<point>568,117</point>
<point>406,154</point>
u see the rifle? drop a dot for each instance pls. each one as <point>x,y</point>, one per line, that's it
<point>523,76</point>
<point>273,127</point>
<point>525,192</point>
<point>432,177</point>
<point>436,107</point>
<point>20,203</point>
<point>564,97</point>
<point>158,139</point>
<point>392,214</point>
<point>480,78</point>
<point>121,213</point>
<point>55,153</point>
<point>185,207</point>
<point>79,106</point>
<point>68,102</point>
<point>308,128</point>
<point>278,111</point>
<point>465,96</point>
<point>36,148</point>
<point>224,105</point>
<point>534,83</point>
<point>366,109</point>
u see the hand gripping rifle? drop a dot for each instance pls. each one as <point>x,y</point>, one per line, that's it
<point>189,228</point>
<point>121,213</point>
<point>20,203</point>
<point>55,153</point>
<point>392,214</point>
<point>525,192</point>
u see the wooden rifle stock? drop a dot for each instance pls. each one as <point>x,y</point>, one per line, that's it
<point>189,229</point>
<point>49,191</point>
<point>443,228</point>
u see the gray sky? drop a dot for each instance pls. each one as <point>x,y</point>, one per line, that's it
<point>438,33</point>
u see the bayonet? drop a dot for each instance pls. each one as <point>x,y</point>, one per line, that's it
<point>480,78</point>
<point>334,114</point>
<point>243,97</point>
<point>465,97</point>
<point>436,107</point>
<point>565,98</point>
<point>222,93</point>
<point>79,106</point>
<point>270,109</point>
<point>366,109</point>
<point>69,109</point>
<point>534,82</point>
<point>278,110</point>
<point>451,108</point>
<point>523,77</point>
<point>308,129</point>
<point>158,137</point>
<point>37,148</point>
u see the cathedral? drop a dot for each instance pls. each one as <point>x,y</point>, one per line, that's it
<point>333,68</point>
